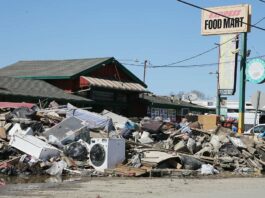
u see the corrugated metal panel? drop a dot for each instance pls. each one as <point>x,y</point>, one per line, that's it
<point>113,84</point>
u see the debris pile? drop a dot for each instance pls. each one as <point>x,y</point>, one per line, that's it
<point>187,147</point>
<point>69,140</point>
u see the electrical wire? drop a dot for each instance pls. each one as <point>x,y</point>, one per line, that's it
<point>209,50</point>
<point>201,8</point>
<point>188,66</point>
<point>200,54</point>
<point>184,60</point>
<point>260,21</point>
<point>192,57</point>
<point>197,55</point>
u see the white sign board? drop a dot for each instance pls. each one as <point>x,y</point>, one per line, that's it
<point>261,101</point>
<point>235,21</point>
<point>227,64</point>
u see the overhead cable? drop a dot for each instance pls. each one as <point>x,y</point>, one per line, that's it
<point>197,55</point>
<point>188,66</point>
<point>201,8</point>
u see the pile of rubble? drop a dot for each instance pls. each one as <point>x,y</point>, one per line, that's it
<point>68,140</point>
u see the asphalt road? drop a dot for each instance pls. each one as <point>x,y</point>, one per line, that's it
<point>142,188</point>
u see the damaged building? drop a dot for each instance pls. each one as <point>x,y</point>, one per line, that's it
<point>104,80</point>
<point>168,108</point>
<point>36,91</point>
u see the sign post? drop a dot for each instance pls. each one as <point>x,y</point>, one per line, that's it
<point>257,108</point>
<point>242,89</point>
<point>229,20</point>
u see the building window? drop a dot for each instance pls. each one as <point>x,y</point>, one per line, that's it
<point>210,104</point>
<point>185,111</point>
<point>164,113</point>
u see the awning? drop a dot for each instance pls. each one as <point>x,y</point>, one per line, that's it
<point>113,84</point>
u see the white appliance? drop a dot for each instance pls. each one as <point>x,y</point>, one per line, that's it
<point>33,146</point>
<point>106,153</point>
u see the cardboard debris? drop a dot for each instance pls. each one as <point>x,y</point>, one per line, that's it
<point>3,133</point>
<point>208,122</point>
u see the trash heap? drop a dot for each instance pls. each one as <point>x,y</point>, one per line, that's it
<point>53,141</point>
<point>166,148</point>
<point>68,140</point>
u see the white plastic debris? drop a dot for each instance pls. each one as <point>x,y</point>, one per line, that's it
<point>208,169</point>
<point>215,141</point>
<point>55,141</point>
<point>17,129</point>
<point>145,138</point>
<point>57,168</point>
<point>191,145</point>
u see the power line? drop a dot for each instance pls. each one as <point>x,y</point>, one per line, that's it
<point>197,55</point>
<point>202,53</point>
<point>260,19</point>
<point>186,59</point>
<point>187,66</point>
<point>132,64</point>
<point>192,57</point>
<point>209,50</point>
<point>201,8</point>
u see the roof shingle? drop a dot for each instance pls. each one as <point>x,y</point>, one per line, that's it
<point>45,69</point>
<point>35,89</point>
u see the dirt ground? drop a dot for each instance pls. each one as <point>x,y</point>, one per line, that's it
<point>141,187</point>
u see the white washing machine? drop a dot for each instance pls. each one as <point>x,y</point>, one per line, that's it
<point>106,153</point>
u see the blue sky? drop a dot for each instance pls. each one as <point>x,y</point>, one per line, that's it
<point>161,31</point>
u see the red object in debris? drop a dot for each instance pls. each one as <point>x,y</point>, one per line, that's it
<point>2,182</point>
<point>15,105</point>
<point>5,165</point>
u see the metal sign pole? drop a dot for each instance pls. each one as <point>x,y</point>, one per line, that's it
<point>257,108</point>
<point>242,89</point>
<point>217,96</point>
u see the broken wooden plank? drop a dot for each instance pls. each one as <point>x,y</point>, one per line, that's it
<point>126,171</point>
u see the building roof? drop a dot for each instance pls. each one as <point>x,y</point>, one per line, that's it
<point>60,69</point>
<point>166,101</point>
<point>113,84</point>
<point>35,89</point>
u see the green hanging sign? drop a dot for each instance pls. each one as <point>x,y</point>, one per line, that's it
<point>255,71</point>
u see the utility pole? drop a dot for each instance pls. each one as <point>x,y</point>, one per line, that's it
<point>217,95</point>
<point>217,86</point>
<point>145,65</point>
<point>242,90</point>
